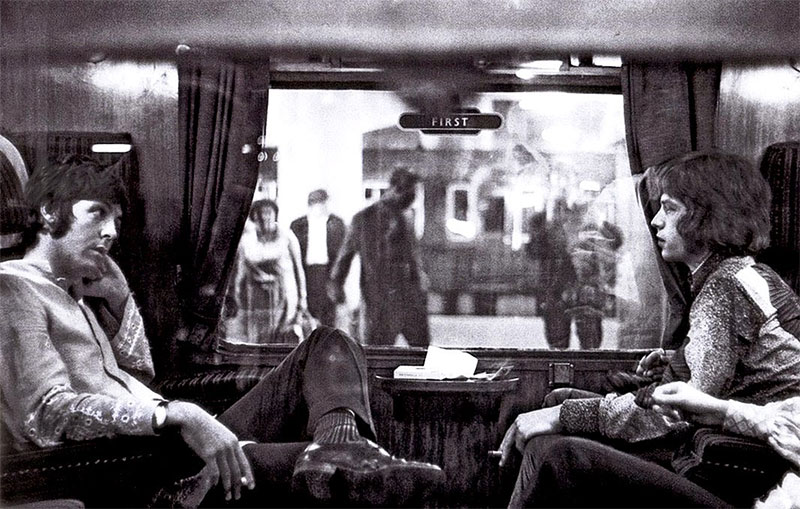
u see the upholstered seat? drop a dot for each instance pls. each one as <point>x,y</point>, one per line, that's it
<point>124,471</point>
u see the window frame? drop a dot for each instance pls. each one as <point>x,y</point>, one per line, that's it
<point>292,76</point>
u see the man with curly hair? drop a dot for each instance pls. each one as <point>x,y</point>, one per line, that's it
<point>742,342</point>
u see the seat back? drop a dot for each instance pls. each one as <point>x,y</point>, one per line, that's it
<point>780,167</point>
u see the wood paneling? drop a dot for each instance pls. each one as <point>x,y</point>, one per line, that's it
<point>139,98</point>
<point>758,105</point>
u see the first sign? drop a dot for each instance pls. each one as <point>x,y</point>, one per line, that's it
<point>451,123</point>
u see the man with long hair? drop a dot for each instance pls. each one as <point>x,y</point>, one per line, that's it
<point>742,342</point>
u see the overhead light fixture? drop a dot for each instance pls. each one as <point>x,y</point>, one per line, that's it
<point>529,70</point>
<point>544,65</point>
<point>595,61</point>
<point>111,148</point>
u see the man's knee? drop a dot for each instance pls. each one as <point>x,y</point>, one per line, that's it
<point>325,334</point>
<point>557,452</point>
<point>558,396</point>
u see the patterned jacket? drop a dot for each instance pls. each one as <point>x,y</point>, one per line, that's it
<point>65,375</point>
<point>743,344</point>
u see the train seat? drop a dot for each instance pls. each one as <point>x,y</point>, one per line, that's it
<point>737,468</point>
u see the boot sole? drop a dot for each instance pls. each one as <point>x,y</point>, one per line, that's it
<point>388,486</point>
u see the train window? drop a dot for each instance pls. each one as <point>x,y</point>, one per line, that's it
<point>530,235</point>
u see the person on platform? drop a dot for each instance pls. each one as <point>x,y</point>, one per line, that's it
<point>269,285</point>
<point>393,284</point>
<point>320,235</point>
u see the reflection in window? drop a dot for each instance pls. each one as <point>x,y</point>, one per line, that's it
<point>493,211</point>
<point>531,235</point>
<point>460,204</point>
<point>460,222</point>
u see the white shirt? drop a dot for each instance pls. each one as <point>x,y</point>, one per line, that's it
<point>317,249</point>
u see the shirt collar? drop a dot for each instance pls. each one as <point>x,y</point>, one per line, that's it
<point>698,277</point>
<point>45,271</point>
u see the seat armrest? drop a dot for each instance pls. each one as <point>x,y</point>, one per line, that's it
<point>102,472</point>
<point>735,468</point>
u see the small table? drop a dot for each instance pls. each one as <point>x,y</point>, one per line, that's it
<point>452,423</point>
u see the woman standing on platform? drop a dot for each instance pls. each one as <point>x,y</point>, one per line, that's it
<point>269,283</point>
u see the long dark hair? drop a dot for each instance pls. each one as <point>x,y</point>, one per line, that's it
<point>727,201</point>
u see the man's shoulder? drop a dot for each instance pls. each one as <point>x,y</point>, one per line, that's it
<point>369,211</point>
<point>20,270</point>
<point>298,222</point>
<point>22,285</point>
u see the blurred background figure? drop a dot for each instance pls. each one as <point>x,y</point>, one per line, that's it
<point>269,286</point>
<point>548,248</point>
<point>576,264</point>
<point>393,286</point>
<point>320,235</point>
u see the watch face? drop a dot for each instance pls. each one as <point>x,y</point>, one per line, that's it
<point>160,416</point>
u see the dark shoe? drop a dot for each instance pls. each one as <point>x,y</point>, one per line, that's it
<point>363,473</point>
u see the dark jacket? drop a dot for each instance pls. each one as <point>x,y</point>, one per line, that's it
<point>336,230</point>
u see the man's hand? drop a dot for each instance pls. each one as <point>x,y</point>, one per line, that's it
<point>215,444</point>
<point>653,364</point>
<point>679,401</point>
<point>111,286</point>
<point>544,421</point>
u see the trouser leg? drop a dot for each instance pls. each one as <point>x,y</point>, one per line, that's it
<point>325,372</point>
<point>378,324</point>
<point>413,313</point>
<point>556,324</point>
<point>590,330</point>
<point>562,471</point>
<point>319,305</point>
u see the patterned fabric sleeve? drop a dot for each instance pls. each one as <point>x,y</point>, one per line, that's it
<point>130,345</point>
<point>716,318</point>
<point>778,423</point>
<point>42,406</point>
<point>63,414</point>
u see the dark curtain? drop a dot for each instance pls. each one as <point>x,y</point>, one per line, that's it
<point>222,107</point>
<point>781,167</point>
<point>670,109</point>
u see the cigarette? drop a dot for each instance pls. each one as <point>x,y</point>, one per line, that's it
<point>495,454</point>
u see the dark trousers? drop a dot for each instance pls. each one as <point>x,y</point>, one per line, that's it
<point>319,305</point>
<point>325,372</point>
<point>403,310</point>
<point>557,322</point>
<point>571,471</point>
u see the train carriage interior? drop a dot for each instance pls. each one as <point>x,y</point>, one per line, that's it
<point>536,249</point>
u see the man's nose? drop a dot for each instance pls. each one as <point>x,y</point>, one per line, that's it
<point>656,222</point>
<point>109,230</point>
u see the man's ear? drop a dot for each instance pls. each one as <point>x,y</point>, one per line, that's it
<point>49,217</point>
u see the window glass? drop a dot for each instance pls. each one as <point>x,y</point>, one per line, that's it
<point>528,236</point>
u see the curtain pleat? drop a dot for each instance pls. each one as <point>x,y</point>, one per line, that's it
<point>222,107</point>
<point>670,109</point>
<point>781,167</point>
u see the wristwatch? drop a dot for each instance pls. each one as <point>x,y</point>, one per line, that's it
<point>160,416</point>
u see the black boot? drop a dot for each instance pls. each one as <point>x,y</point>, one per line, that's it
<point>364,474</point>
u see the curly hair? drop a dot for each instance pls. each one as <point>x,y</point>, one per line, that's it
<point>727,201</point>
<point>59,185</point>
